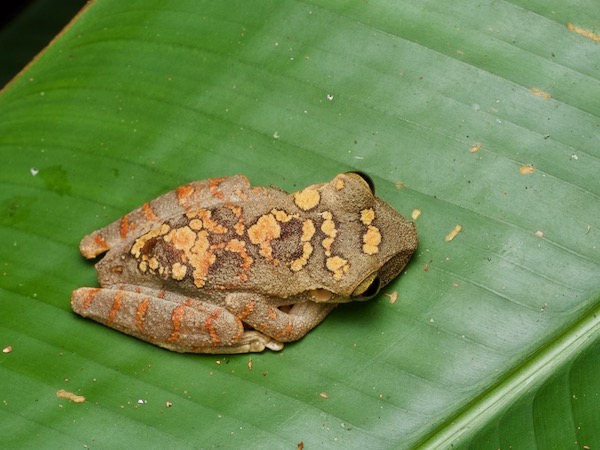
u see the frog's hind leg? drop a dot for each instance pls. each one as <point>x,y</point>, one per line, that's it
<point>198,194</point>
<point>171,321</point>
<point>258,312</point>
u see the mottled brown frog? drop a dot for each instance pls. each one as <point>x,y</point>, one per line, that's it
<point>218,266</point>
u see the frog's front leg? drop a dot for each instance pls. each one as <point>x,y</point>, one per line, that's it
<point>257,311</point>
<point>169,320</point>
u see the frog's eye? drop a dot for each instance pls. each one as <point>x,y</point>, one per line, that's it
<point>368,288</point>
<point>364,178</point>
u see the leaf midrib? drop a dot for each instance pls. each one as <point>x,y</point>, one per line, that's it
<point>525,377</point>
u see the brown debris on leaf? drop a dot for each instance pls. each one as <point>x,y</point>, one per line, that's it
<point>70,396</point>
<point>526,169</point>
<point>545,95</point>
<point>457,229</point>
<point>583,32</point>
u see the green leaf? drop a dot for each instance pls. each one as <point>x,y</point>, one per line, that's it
<point>486,113</point>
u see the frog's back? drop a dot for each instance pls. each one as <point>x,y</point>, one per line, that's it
<point>329,236</point>
<point>244,245</point>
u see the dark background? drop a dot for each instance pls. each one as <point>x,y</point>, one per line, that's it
<point>26,27</point>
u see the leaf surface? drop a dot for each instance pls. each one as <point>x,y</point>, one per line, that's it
<point>484,116</point>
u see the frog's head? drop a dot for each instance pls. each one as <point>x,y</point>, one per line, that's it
<point>367,242</point>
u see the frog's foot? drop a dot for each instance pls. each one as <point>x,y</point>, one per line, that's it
<point>169,320</point>
<point>249,342</point>
<point>252,342</point>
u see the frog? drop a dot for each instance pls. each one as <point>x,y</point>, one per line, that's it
<point>221,267</point>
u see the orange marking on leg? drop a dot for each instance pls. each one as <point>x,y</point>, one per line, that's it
<point>149,212</point>
<point>125,226</point>
<point>101,244</point>
<point>184,193</point>
<point>286,332</point>
<point>114,310</point>
<point>176,318</point>
<point>89,298</point>
<point>213,186</point>
<point>140,314</point>
<point>247,310</point>
<point>239,334</point>
<point>214,336</point>
<point>272,313</point>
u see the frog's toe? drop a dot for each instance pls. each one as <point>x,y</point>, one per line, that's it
<point>255,341</point>
<point>274,345</point>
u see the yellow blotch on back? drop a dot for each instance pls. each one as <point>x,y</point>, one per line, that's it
<point>367,216</point>
<point>308,231</point>
<point>142,240</point>
<point>263,232</point>
<point>338,266</point>
<point>371,240</point>
<point>328,227</point>
<point>372,237</point>
<point>182,238</point>
<point>307,199</point>
<point>178,271</point>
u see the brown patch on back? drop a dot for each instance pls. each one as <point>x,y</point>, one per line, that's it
<point>239,247</point>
